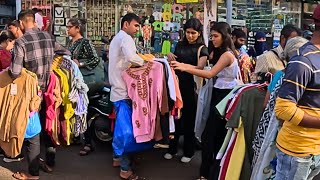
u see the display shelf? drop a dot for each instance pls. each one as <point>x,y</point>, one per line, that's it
<point>101,19</point>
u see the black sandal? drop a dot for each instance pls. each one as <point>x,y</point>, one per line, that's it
<point>46,168</point>
<point>86,150</point>
<point>134,177</point>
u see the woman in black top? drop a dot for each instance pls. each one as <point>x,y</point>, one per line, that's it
<point>187,52</point>
<point>82,49</point>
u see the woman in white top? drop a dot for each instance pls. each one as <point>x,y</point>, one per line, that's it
<point>226,70</point>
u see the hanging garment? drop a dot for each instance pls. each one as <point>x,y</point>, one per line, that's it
<point>166,45</point>
<point>222,105</point>
<point>179,102</point>
<point>225,144</point>
<point>250,109</point>
<point>57,102</point>
<point>78,95</point>
<point>235,100</point>
<point>265,120</point>
<point>203,108</point>
<point>173,46</point>
<point>264,143</point>
<point>50,103</point>
<point>18,98</point>
<point>157,45</point>
<point>170,81</point>
<point>265,166</point>
<point>226,158</point>
<point>145,90</point>
<point>238,154</point>
<point>68,110</point>
<point>147,30</point>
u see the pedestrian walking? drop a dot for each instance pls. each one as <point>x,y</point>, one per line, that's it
<point>297,107</point>
<point>122,53</point>
<point>35,51</point>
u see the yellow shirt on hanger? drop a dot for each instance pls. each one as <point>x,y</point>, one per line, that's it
<point>238,154</point>
<point>68,109</point>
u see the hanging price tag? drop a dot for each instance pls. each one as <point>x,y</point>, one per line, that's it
<point>13,89</point>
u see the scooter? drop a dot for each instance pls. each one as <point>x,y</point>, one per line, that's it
<point>101,116</point>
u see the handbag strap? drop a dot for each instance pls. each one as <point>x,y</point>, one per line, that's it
<point>199,50</point>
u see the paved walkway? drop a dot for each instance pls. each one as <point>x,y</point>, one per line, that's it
<point>70,166</point>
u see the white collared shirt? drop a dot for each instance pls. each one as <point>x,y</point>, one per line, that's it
<point>39,21</point>
<point>122,53</point>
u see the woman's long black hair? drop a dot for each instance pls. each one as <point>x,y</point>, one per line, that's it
<point>225,30</point>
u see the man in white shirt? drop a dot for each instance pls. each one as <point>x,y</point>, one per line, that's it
<point>122,54</point>
<point>38,18</point>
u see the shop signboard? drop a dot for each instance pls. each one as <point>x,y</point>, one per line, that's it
<point>186,1</point>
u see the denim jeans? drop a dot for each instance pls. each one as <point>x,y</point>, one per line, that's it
<point>124,162</point>
<point>296,168</point>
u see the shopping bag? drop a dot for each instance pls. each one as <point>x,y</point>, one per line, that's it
<point>33,125</point>
<point>123,140</point>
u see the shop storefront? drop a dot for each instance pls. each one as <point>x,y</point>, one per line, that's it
<point>7,12</point>
<point>268,16</point>
<point>162,20</point>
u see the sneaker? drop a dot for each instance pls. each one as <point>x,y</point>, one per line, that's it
<point>186,159</point>
<point>168,156</point>
<point>16,159</point>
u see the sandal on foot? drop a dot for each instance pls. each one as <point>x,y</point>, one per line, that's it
<point>134,177</point>
<point>46,168</point>
<point>86,150</point>
<point>202,178</point>
<point>24,176</point>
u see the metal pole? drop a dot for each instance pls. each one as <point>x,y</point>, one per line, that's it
<point>229,11</point>
<point>187,11</point>
<point>301,15</point>
<point>18,7</point>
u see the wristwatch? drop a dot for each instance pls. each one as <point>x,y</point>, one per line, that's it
<point>81,64</point>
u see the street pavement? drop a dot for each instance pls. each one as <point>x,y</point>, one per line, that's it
<point>97,165</point>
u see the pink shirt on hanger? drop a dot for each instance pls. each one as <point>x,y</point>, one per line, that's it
<point>50,104</point>
<point>145,87</point>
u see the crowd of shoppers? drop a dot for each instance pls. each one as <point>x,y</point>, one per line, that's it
<point>26,45</point>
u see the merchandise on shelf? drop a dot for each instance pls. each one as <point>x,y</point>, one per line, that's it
<point>101,20</point>
<point>63,11</point>
<point>166,20</point>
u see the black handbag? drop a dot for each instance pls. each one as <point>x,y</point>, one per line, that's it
<point>94,78</point>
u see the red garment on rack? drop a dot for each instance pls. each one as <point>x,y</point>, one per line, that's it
<point>224,166</point>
